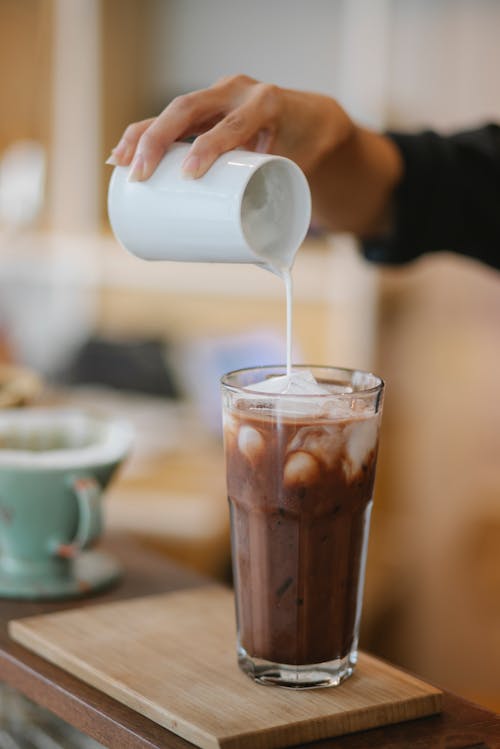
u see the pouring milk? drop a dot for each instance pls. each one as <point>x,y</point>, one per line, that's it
<point>248,208</point>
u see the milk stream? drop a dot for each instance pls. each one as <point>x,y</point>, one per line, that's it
<point>285,273</point>
<point>287,278</point>
<point>265,212</point>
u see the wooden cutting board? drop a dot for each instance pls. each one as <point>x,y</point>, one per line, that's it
<point>172,658</point>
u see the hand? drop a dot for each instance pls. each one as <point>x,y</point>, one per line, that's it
<point>352,171</point>
<point>236,111</point>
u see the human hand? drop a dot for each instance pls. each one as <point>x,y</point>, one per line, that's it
<point>236,111</point>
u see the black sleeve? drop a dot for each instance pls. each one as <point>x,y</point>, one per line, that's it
<point>448,199</point>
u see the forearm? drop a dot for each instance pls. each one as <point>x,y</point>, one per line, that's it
<point>352,186</point>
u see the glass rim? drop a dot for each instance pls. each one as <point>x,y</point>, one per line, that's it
<point>377,388</point>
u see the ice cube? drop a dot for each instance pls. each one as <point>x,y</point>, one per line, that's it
<point>251,443</point>
<point>300,468</point>
<point>322,441</point>
<point>272,385</point>
<point>299,389</point>
<point>302,382</point>
<point>298,407</point>
<point>299,383</point>
<point>361,439</point>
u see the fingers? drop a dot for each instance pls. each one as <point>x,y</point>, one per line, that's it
<point>185,115</point>
<point>235,111</point>
<point>253,122</point>
<point>144,143</point>
<point>122,154</point>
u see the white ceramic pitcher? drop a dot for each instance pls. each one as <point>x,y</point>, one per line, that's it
<point>248,208</point>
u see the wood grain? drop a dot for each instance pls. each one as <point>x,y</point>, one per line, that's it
<point>460,724</point>
<point>172,658</point>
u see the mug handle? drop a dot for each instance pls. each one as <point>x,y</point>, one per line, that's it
<point>88,495</point>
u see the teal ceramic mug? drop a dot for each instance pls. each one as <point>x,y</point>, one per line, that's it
<point>54,466</point>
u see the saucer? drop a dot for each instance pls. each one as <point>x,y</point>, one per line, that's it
<point>91,571</point>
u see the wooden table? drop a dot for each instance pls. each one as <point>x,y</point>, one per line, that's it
<point>462,725</point>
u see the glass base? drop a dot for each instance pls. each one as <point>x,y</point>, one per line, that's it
<point>312,676</point>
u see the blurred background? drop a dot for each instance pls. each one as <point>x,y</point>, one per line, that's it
<point>99,327</point>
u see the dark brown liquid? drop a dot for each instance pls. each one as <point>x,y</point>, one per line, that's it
<point>300,514</point>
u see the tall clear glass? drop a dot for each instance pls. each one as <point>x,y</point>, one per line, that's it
<point>300,474</point>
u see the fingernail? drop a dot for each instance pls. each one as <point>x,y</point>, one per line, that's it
<point>112,161</point>
<point>191,166</point>
<point>122,153</point>
<point>137,169</point>
<point>120,149</point>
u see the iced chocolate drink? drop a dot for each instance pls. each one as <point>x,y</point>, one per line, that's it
<point>300,473</point>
